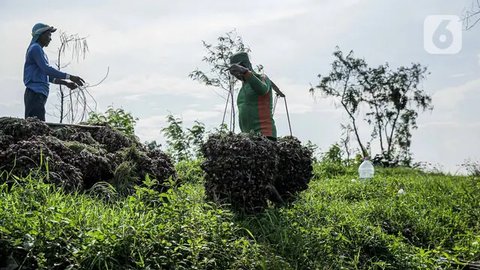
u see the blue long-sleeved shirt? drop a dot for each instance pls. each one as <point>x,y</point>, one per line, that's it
<point>37,72</point>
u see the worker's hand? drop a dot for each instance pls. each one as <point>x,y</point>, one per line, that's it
<point>79,81</point>
<point>238,71</point>
<point>71,85</point>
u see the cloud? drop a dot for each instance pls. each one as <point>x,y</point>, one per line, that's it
<point>300,100</point>
<point>149,128</point>
<point>459,75</point>
<point>450,125</point>
<point>450,98</point>
<point>152,85</point>
<point>197,115</point>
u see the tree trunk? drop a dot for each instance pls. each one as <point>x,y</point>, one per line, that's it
<point>364,151</point>
<point>380,134</point>
<point>389,139</point>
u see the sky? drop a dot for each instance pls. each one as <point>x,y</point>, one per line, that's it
<point>150,47</point>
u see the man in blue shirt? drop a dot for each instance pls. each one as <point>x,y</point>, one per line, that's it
<point>37,73</point>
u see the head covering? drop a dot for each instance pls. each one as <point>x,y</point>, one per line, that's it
<point>241,58</point>
<point>40,28</point>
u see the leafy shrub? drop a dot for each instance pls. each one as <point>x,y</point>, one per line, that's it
<point>332,164</point>
<point>183,144</point>
<point>115,118</point>
<point>190,172</point>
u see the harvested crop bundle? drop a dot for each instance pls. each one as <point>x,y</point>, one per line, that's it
<point>74,157</point>
<point>25,157</point>
<point>246,171</point>
<point>21,129</point>
<point>294,168</point>
<point>239,170</point>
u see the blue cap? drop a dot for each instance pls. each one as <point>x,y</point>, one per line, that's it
<point>40,28</point>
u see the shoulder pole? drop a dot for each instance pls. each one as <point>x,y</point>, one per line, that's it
<point>280,94</point>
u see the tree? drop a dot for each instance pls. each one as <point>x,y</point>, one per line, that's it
<point>471,16</point>
<point>389,99</point>
<point>218,58</point>
<point>394,98</point>
<point>74,104</point>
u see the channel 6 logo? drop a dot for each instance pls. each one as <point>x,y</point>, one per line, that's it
<point>442,34</point>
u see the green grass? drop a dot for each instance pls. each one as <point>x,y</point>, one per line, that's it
<point>338,223</point>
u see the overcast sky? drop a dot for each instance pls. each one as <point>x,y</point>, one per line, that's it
<point>152,46</point>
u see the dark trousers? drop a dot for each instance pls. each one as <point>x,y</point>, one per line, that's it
<point>34,104</point>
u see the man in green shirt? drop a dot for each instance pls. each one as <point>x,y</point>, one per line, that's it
<point>254,100</point>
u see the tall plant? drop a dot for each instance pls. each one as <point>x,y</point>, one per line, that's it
<point>183,144</point>
<point>115,117</point>
<point>218,59</point>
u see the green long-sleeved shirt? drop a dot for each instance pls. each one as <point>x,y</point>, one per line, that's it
<point>255,106</point>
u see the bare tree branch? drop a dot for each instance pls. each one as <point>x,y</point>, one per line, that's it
<point>471,16</point>
<point>75,104</point>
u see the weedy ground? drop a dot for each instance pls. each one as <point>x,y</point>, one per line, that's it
<point>400,219</point>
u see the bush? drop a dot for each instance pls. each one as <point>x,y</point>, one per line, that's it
<point>190,172</point>
<point>116,118</point>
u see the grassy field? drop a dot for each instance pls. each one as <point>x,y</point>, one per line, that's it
<point>401,219</point>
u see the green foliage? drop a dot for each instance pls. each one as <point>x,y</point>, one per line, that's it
<point>313,148</point>
<point>340,223</point>
<point>190,171</point>
<point>400,219</point>
<point>115,118</point>
<point>183,144</point>
<point>218,58</point>
<point>332,163</point>
<point>333,155</point>
<point>43,228</point>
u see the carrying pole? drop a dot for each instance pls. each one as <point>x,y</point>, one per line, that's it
<point>281,94</point>
<point>288,116</point>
